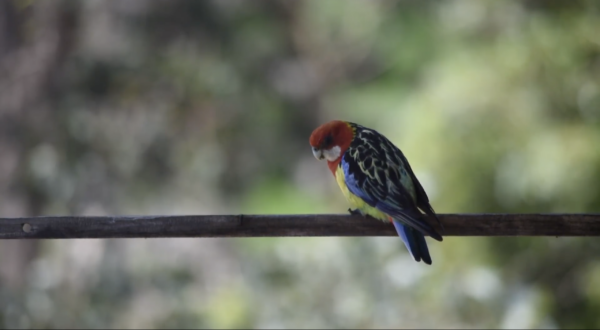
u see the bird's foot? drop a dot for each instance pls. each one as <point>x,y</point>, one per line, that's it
<point>354,212</point>
<point>357,212</point>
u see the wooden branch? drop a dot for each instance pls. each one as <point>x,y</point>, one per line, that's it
<point>289,225</point>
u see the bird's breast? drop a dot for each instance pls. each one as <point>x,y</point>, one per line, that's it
<point>355,201</point>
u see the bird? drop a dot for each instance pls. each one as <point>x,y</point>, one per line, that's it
<point>377,181</point>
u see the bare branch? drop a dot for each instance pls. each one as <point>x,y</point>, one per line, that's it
<point>289,225</point>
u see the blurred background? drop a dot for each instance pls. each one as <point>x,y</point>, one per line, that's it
<point>205,107</point>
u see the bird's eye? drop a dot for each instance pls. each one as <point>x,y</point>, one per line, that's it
<point>327,141</point>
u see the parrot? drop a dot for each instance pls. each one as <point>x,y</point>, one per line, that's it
<point>377,181</point>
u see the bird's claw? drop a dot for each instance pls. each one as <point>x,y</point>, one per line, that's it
<point>357,212</point>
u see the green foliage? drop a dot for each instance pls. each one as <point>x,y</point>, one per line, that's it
<point>187,107</point>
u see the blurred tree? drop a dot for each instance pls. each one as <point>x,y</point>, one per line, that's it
<point>181,107</point>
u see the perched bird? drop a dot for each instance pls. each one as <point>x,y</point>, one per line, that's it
<point>377,181</point>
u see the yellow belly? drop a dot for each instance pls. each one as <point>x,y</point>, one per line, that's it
<point>357,202</point>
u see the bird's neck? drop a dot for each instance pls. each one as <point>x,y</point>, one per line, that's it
<point>334,164</point>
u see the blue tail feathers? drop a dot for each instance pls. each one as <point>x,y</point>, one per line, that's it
<point>414,242</point>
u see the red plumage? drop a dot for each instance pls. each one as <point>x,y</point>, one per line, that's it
<point>336,133</point>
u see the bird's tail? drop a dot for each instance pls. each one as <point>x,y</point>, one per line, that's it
<point>414,242</point>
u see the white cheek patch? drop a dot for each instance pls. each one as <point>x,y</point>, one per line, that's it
<point>332,154</point>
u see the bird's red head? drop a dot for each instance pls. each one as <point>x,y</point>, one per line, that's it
<point>331,140</point>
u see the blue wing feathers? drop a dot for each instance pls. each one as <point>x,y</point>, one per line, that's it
<point>353,185</point>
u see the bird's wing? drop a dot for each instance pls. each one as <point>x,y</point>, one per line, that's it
<point>375,171</point>
<point>422,201</point>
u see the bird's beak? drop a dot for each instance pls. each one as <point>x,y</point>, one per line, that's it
<point>317,153</point>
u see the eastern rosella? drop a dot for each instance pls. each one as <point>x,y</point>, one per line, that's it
<point>377,181</point>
